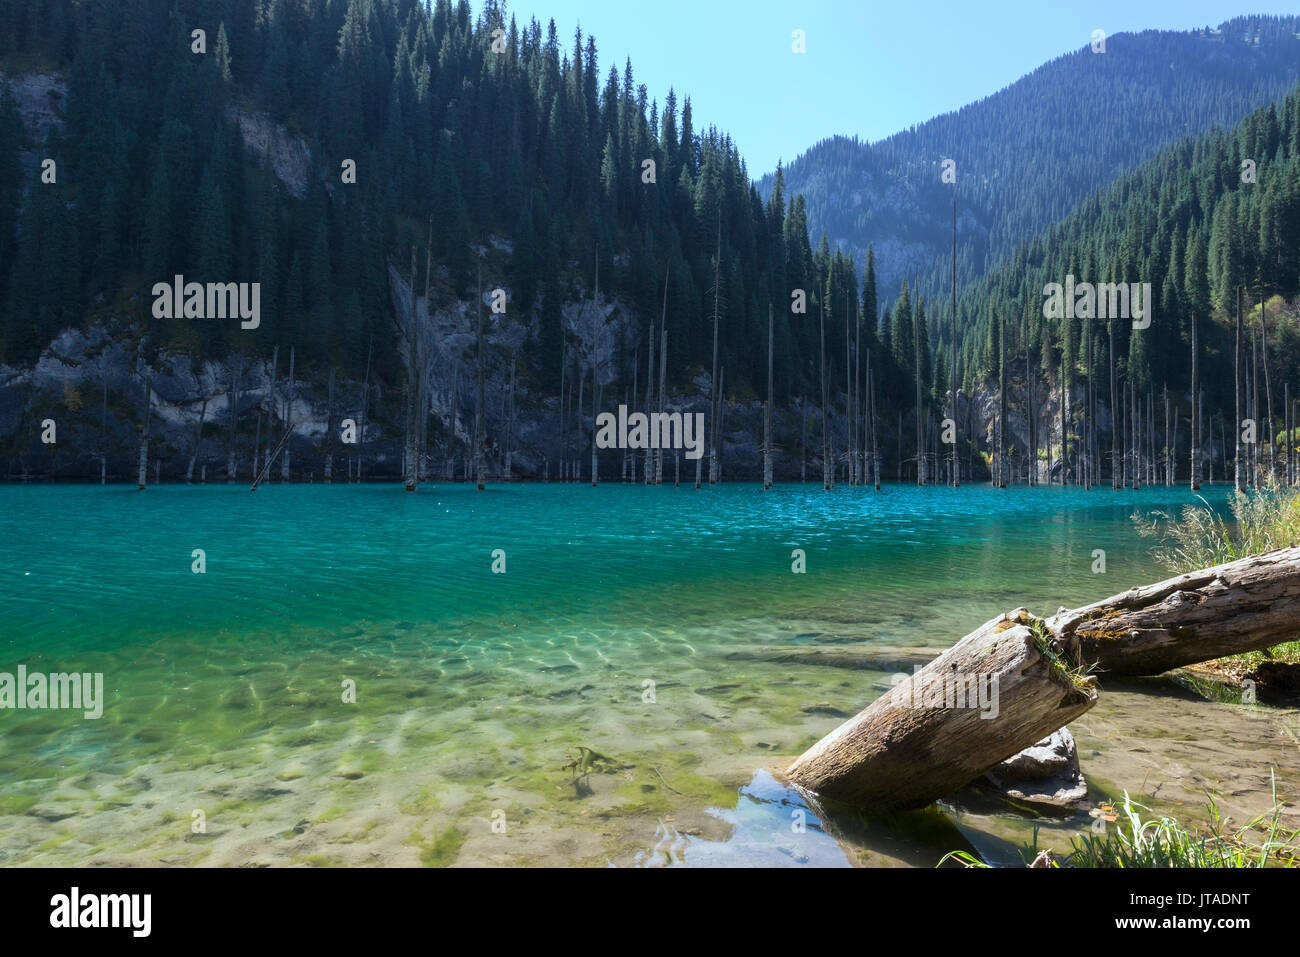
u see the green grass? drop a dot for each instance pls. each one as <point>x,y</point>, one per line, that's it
<point>1163,842</point>
<point>1200,537</point>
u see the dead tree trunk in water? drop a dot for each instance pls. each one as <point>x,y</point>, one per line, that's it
<point>875,449</point>
<point>920,422</point>
<point>235,372</point>
<point>941,728</point>
<point>510,423</point>
<point>143,476</point>
<point>663,380</point>
<point>1268,388</point>
<point>1115,480</point>
<point>826,432</point>
<point>329,432</point>
<point>1002,402</point>
<point>290,386</point>
<point>649,401</point>
<point>767,409</point>
<point>956,469</point>
<point>713,382</point>
<point>480,427</point>
<point>934,733</point>
<point>198,439</point>
<point>1196,425</point>
<point>596,390</point>
<point>1238,480</point>
<point>103,430</point>
<point>365,409</point>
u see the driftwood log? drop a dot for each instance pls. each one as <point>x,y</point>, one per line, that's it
<point>997,691</point>
<point>918,743</point>
<point>1245,605</point>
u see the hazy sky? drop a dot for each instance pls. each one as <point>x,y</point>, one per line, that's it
<point>872,67</point>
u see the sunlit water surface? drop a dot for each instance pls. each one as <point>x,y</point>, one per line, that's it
<point>663,628</point>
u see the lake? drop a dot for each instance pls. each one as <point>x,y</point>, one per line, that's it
<point>350,674</point>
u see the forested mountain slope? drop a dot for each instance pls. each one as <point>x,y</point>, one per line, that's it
<point>1027,154</point>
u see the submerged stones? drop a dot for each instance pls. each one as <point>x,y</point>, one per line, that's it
<point>1046,772</point>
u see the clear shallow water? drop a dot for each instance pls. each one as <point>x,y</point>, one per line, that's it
<point>473,689</point>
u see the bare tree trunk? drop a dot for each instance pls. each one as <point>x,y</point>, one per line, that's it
<point>875,451</point>
<point>1268,387</point>
<point>257,443</point>
<point>422,393</point>
<point>767,409</point>
<point>663,380</point>
<point>722,413</point>
<point>595,396</point>
<point>235,372</point>
<point>1238,479</point>
<point>564,434</point>
<point>803,439</point>
<point>510,424</point>
<point>144,434</point>
<point>103,431</point>
<point>826,431</point>
<point>649,402</point>
<point>291,387</point>
<point>939,730</point>
<point>581,425</point>
<point>1085,455</point>
<point>271,401</point>
<point>365,410</point>
<point>198,440</point>
<point>713,381</point>
<point>920,424</point>
<point>1254,407</point>
<point>1031,416</point>
<point>1114,412</point>
<point>329,432</point>
<point>956,470</point>
<point>1169,451</point>
<point>1196,388</point>
<point>1002,402</point>
<point>480,426</point>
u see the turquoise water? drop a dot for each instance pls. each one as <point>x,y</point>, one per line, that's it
<point>662,628</point>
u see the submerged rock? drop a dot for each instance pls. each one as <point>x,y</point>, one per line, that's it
<point>1044,773</point>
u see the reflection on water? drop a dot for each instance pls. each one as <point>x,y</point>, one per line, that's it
<point>770,826</point>
<point>774,824</point>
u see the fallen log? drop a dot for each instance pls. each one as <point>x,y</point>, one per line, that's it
<point>997,691</point>
<point>1229,609</point>
<point>911,747</point>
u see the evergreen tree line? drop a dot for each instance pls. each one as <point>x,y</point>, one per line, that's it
<point>466,127</point>
<point>1027,155</point>
<point>1213,225</point>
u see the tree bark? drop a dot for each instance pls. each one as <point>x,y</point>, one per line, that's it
<point>143,470</point>
<point>767,410</point>
<point>920,741</point>
<point>1241,606</point>
<point>926,738</point>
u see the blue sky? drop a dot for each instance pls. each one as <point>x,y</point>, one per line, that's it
<point>872,67</point>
